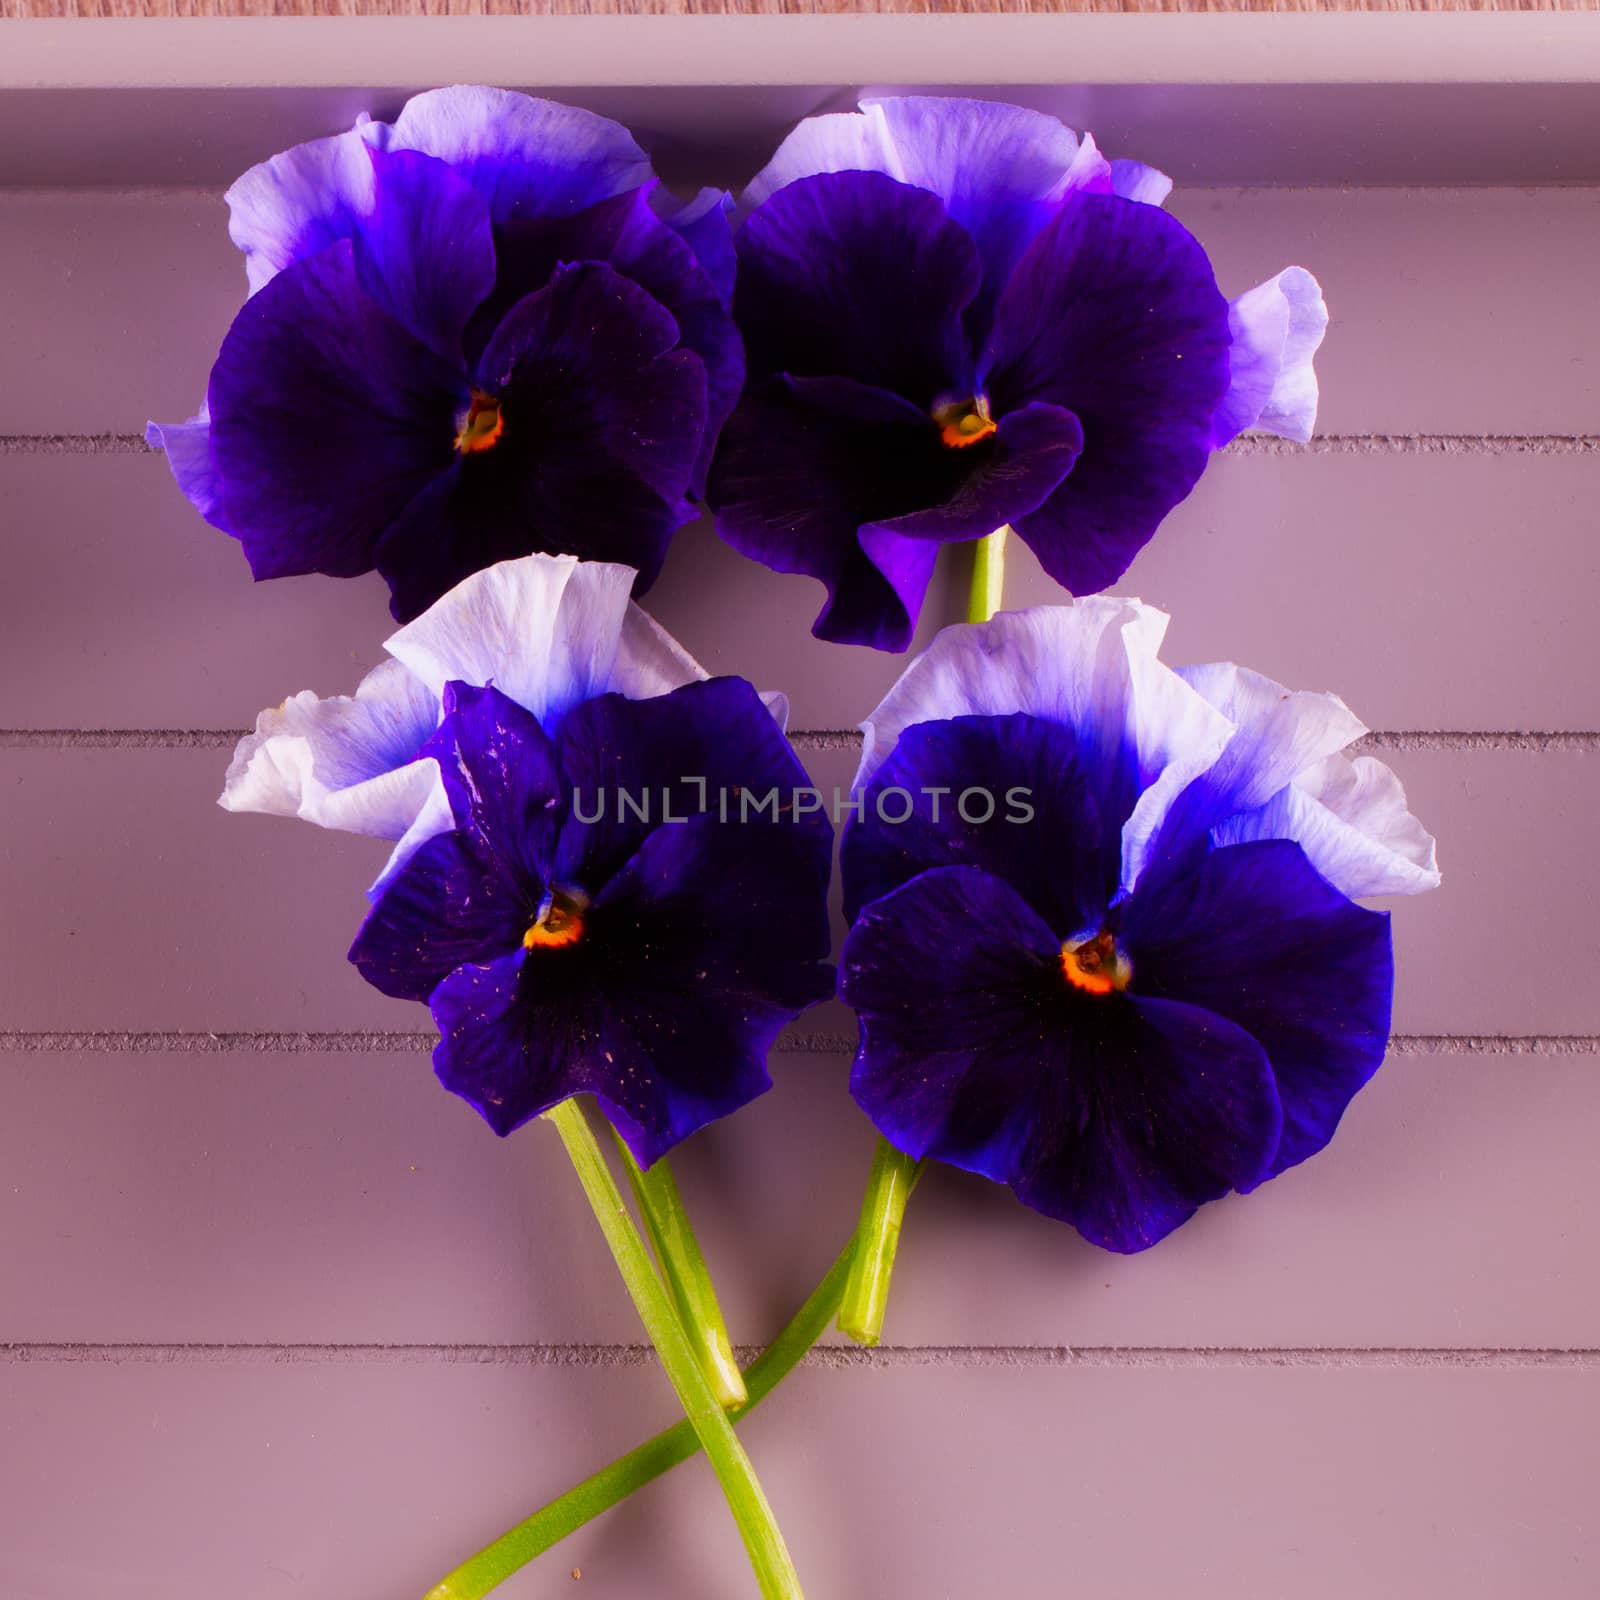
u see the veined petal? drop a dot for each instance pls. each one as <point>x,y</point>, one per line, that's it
<point>302,200</point>
<point>715,936</point>
<point>804,465</point>
<point>1113,313</point>
<point>349,762</point>
<point>853,275</point>
<point>603,421</point>
<point>1276,330</point>
<point>1253,934</point>
<point>327,418</point>
<point>1001,170</point>
<point>544,630</point>
<point>705,223</point>
<point>499,769</point>
<point>1278,733</point>
<point>425,253</point>
<point>527,157</point>
<point>626,233</point>
<point>1092,666</point>
<point>187,446</point>
<point>649,661</point>
<point>699,748</point>
<point>451,904</point>
<point>1351,819</point>
<point>1038,821</point>
<point>1119,1115</point>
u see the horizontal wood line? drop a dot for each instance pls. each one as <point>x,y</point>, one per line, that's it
<point>1327,444</point>
<point>18,1041</point>
<point>826,1357</point>
<point>809,739</point>
<point>1421,444</point>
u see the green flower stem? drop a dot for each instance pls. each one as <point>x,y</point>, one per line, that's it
<point>883,1208</point>
<point>894,1174</point>
<point>763,1542</point>
<point>988,576</point>
<point>671,1236</point>
<point>552,1523</point>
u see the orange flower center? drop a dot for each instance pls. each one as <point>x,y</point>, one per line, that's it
<point>1095,965</point>
<point>481,426</point>
<point>964,422</point>
<point>560,920</point>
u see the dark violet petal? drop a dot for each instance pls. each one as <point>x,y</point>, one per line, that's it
<point>603,420</point>
<point>449,904</point>
<point>1113,313</point>
<point>691,959</point>
<point>1063,859</point>
<point>1255,935</point>
<point>851,274</point>
<point>706,226</point>
<point>1000,169</point>
<point>806,463</point>
<point>527,157</point>
<point>697,743</point>
<point>327,419</point>
<point>506,1058</point>
<point>1119,1115</point>
<point>711,939</point>
<point>1157,1108</point>
<point>426,253</point>
<point>470,895</point>
<point>626,233</point>
<point>1012,473</point>
<point>499,771</point>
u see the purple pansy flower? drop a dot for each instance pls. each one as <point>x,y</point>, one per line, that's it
<point>549,631</point>
<point>567,945</point>
<point>646,952</point>
<point>474,332</point>
<point>958,315</point>
<point>1111,956</point>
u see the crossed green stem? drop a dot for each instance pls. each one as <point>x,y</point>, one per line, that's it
<point>706,1420</point>
<point>686,1317</point>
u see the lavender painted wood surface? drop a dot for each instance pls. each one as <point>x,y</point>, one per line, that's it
<point>280,1318</point>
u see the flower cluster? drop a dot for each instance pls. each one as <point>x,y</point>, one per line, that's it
<point>1103,942</point>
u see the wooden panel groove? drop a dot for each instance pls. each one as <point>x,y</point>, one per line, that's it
<point>791,1042</point>
<point>827,1358</point>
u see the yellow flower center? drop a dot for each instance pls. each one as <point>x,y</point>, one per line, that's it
<point>482,425</point>
<point>964,422</point>
<point>1096,965</point>
<point>560,920</point>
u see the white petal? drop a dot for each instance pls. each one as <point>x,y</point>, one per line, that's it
<point>301,201</point>
<point>545,630</point>
<point>334,762</point>
<point>649,660</point>
<point>1291,409</point>
<point>1133,180</point>
<point>1092,665</point>
<point>431,815</point>
<point>841,141</point>
<point>1276,329</point>
<point>1350,818</point>
<point>1279,732</point>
